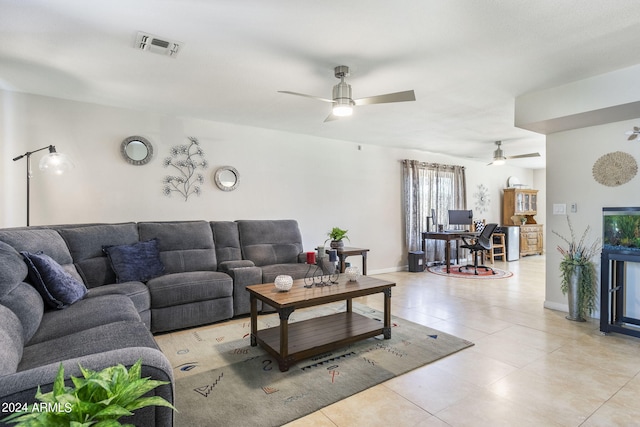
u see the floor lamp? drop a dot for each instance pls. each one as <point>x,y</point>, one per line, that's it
<point>54,163</point>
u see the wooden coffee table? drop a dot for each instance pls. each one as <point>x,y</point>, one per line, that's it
<point>289,343</point>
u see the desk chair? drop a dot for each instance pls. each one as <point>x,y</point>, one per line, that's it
<point>498,243</point>
<point>480,245</point>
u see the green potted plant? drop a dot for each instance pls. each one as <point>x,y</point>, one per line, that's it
<point>336,235</point>
<point>578,273</point>
<point>98,399</point>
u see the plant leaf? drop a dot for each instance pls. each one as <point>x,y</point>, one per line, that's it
<point>113,411</point>
<point>58,385</point>
<point>110,423</point>
<point>137,389</point>
<point>135,372</point>
<point>143,402</point>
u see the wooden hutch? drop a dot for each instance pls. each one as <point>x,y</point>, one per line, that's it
<point>519,204</point>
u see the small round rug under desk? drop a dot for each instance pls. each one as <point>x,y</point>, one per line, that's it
<point>468,272</point>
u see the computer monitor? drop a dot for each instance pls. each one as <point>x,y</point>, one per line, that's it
<point>459,217</point>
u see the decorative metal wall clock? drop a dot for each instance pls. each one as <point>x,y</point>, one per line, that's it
<point>482,198</point>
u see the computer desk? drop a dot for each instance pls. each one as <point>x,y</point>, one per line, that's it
<point>447,237</point>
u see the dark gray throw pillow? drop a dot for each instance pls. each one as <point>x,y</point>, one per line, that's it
<point>137,262</point>
<point>58,288</point>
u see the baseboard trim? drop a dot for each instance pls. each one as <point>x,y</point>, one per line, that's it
<point>389,270</point>
<point>556,306</point>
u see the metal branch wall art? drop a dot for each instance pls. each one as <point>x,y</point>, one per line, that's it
<point>185,160</point>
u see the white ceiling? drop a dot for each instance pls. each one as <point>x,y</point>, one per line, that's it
<point>467,60</point>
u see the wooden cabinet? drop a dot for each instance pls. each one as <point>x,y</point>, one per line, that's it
<point>520,203</point>
<point>531,239</point>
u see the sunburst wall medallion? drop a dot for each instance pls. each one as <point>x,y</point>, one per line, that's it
<point>614,169</point>
<point>482,198</point>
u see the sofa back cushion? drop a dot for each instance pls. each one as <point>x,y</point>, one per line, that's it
<point>267,242</point>
<point>13,269</point>
<point>227,241</point>
<point>40,239</point>
<point>85,245</point>
<point>26,303</point>
<point>184,245</point>
<point>11,337</point>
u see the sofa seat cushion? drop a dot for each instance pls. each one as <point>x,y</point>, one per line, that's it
<point>183,288</point>
<point>12,342</point>
<point>99,339</point>
<point>136,291</point>
<point>58,288</point>
<point>26,303</point>
<point>297,271</point>
<point>85,314</point>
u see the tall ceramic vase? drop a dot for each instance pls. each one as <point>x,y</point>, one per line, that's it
<point>574,283</point>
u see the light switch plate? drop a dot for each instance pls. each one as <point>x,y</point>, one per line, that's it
<point>559,208</point>
<point>573,207</point>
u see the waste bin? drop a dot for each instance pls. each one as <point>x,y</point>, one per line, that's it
<point>416,261</point>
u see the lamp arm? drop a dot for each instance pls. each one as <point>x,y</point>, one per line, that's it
<point>51,148</point>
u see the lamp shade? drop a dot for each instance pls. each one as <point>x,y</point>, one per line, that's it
<point>55,163</point>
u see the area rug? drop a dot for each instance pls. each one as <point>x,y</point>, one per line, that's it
<point>467,273</point>
<point>222,380</point>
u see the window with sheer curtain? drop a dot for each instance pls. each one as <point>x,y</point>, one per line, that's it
<point>427,187</point>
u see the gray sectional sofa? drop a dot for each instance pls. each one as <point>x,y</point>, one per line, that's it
<point>130,280</point>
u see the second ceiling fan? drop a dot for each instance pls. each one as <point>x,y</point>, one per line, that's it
<point>499,158</point>
<point>343,101</point>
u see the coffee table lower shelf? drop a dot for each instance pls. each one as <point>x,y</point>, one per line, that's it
<point>311,337</point>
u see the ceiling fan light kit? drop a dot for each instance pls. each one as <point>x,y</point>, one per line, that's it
<point>342,98</point>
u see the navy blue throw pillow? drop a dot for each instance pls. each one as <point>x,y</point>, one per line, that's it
<point>137,262</point>
<point>58,288</point>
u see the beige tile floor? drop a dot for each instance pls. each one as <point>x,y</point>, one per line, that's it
<point>529,366</point>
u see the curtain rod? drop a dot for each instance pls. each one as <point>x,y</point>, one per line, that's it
<point>427,164</point>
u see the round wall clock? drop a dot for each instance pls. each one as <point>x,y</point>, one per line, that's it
<point>482,198</point>
<point>615,169</point>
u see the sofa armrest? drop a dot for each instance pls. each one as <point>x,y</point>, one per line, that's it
<point>22,386</point>
<point>226,266</point>
<point>243,277</point>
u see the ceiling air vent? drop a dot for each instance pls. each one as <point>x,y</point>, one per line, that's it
<point>155,44</point>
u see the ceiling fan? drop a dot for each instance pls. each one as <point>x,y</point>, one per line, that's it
<point>343,102</point>
<point>499,158</point>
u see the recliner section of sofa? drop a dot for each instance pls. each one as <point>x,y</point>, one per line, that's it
<point>191,292</point>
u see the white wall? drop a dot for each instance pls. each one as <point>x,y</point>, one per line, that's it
<point>319,182</point>
<point>570,158</point>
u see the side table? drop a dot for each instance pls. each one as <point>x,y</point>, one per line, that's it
<point>347,251</point>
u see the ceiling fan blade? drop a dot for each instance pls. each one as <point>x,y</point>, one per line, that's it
<point>407,95</point>
<point>331,117</point>
<point>522,156</point>
<point>306,96</point>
